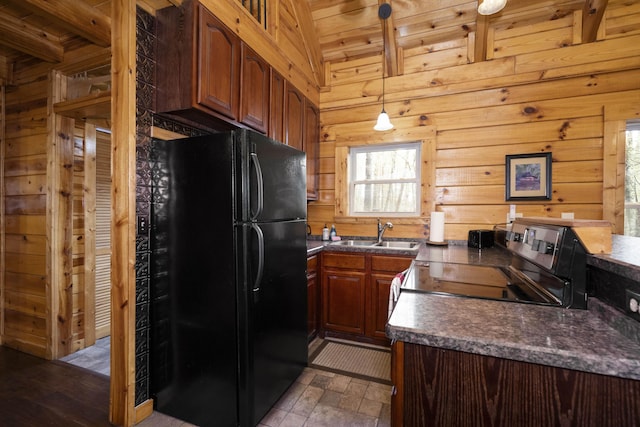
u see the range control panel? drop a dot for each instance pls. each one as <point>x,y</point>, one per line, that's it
<point>537,243</point>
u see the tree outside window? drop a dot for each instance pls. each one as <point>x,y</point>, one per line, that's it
<point>632,181</point>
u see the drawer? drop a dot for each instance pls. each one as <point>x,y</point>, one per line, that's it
<point>312,264</point>
<point>342,260</point>
<point>391,264</point>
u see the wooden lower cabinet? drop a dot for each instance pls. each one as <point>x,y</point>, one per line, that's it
<point>343,293</point>
<point>355,294</point>
<point>313,297</point>
<point>437,387</point>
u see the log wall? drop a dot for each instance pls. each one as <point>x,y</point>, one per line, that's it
<point>46,198</point>
<point>25,235</point>
<point>540,90</point>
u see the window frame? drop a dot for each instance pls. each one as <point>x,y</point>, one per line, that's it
<point>353,182</point>
<point>426,135</point>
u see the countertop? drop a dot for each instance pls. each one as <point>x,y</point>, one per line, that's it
<point>599,340</point>
<point>582,340</point>
<point>624,259</point>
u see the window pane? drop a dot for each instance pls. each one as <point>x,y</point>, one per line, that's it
<point>386,164</point>
<point>632,181</point>
<point>398,197</point>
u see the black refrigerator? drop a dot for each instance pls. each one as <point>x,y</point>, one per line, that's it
<point>228,288</point>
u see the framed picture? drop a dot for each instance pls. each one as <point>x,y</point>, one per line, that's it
<point>528,176</point>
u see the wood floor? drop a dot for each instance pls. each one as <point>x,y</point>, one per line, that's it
<point>36,392</point>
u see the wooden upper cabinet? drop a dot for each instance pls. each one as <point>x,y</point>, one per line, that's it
<point>254,90</point>
<point>218,66</point>
<point>198,67</point>
<point>276,116</point>
<point>293,117</point>
<point>310,146</point>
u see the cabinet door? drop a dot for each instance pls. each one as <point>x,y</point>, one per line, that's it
<point>378,314</point>
<point>254,90</point>
<point>294,117</point>
<point>218,66</point>
<point>312,297</point>
<point>276,116</point>
<point>344,301</point>
<point>311,142</point>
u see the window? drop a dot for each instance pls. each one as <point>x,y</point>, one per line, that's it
<point>257,9</point>
<point>384,180</point>
<point>632,180</point>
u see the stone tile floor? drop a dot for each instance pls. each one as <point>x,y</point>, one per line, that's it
<point>317,398</point>
<point>95,358</point>
<point>320,398</point>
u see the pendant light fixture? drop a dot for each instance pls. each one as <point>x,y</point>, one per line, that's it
<point>489,7</point>
<point>383,123</point>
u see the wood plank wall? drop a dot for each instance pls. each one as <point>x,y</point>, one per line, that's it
<point>25,174</point>
<point>541,91</point>
<point>45,202</point>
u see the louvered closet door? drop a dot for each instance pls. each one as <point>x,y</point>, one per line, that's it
<point>103,235</point>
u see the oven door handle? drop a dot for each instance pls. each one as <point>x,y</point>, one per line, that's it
<point>533,286</point>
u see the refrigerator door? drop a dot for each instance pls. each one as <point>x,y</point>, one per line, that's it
<point>193,343</point>
<point>274,179</point>
<point>273,316</point>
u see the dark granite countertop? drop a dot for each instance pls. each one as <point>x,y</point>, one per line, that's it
<point>457,252</point>
<point>598,340</point>
<point>624,259</point>
<point>582,340</point>
<point>315,246</point>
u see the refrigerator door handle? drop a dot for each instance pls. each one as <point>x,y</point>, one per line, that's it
<point>259,186</point>
<point>258,281</point>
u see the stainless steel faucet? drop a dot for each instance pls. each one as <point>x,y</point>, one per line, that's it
<point>382,228</point>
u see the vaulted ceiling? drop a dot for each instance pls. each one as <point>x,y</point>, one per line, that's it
<point>348,29</point>
<point>43,30</point>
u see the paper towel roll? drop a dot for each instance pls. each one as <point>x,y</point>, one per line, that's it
<point>437,227</point>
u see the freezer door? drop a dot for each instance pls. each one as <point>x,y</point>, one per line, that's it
<point>193,342</point>
<point>273,315</point>
<point>274,179</point>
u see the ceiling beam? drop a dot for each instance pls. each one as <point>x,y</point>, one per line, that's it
<point>29,39</point>
<point>482,30</point>
<point>307,30</point>
<point>389,41</point>
<point>79,17</point>
<point>592,14</point>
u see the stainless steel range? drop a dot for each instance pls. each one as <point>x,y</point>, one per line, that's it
<point>547,266</point>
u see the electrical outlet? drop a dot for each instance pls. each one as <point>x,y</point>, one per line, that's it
<point>143,225</point>
<point>632,304</point>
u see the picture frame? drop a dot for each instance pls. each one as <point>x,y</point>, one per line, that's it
<point>528,176</point>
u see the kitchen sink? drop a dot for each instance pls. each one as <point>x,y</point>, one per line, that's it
<point>389,244</point>
<point>354,243</point>
<point>398,245</point>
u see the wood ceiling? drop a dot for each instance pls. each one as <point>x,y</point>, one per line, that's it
<point>349,29</point>
<point>42,30</point>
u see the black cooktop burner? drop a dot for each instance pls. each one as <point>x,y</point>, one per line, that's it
<point>499,283</point>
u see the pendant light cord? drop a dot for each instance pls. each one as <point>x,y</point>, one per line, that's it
<point>384,55</point>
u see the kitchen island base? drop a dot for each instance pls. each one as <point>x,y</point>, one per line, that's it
<point>435,386</point>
